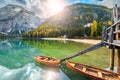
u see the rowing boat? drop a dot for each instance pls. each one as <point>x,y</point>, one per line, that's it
<point>47,60</point>
<point>92,72</point>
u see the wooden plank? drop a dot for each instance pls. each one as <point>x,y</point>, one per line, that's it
<point>118,31</point>
<point>115,43</point>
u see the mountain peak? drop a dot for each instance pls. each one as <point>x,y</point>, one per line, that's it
<point>15,19</point>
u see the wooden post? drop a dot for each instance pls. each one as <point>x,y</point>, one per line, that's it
<point>112,54</point>
<point>118,65</point>
<point>112,50</point>
<point>118,50</point>
<point>115,14</point>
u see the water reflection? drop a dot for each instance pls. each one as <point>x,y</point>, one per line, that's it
<point>114,69</point>
<point>6,46</point>
<point>31,72</point>
<point>17,63</point>
<point>14,53</point>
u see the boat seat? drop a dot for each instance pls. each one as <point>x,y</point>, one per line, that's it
<point>45,59</point>
<point>84,69</point>
<point>100,74</point>
<point>51,60</point>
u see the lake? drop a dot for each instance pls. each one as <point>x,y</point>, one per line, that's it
<point>17,59</point>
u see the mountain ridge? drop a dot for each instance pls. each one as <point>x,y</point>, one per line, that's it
<point>72,20</point>
<point>15,19</point>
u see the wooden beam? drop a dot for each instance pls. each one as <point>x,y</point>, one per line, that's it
<point>118,31</point>
<point>94,47</point>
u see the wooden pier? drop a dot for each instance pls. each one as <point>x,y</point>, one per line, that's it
<point>111,38</point>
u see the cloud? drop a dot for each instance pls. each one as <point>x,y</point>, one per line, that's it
<point>111,3</point>
<point>107,3</point>
<point>5,2</point>
<point>42,7</point>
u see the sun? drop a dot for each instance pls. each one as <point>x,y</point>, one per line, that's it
<point>55,6</point>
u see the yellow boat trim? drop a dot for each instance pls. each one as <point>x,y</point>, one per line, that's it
<point>119,77</point>
<point>84,69</point>
<point>100,74</point>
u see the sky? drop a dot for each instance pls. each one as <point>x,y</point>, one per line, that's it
<point>80,1</point>
<point>47,8</point>
<point>107,3</point>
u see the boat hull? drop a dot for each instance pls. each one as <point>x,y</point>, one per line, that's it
<point>47,60</point>
<point>92,72</point>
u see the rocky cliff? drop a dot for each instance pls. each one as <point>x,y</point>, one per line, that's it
<point>15,19</point>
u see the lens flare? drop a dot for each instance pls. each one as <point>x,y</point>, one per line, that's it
<point>55,6</point>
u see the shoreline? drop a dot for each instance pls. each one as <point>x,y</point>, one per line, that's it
<point>88,41</point>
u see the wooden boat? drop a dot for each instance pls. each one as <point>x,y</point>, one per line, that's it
<point>47,60</point>
<point>92,72</point>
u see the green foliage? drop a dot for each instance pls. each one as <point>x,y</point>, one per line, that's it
<point>93,28</point>
<point>109,22</point>
<point>45,31</point>
<point>87,31</point>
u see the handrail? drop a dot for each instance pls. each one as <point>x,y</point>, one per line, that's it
<point>118,31</point>
<point>108,35</point>
<point>113,25</point>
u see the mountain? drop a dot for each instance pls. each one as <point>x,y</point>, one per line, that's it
<point>77,15</point>
<point>72,20</point>
<point>13,2</point>
<point>15,19</point>
<point>21,1</point>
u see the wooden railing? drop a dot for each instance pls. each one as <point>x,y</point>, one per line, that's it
<point>111,35</point>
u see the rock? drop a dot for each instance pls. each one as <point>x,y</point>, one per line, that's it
<point>15,19</point>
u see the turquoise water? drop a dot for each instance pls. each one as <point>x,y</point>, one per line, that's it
<point>17,59</point>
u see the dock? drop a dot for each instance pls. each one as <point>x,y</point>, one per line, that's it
<point>111,38</point>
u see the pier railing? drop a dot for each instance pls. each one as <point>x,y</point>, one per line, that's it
<point>111,35</point>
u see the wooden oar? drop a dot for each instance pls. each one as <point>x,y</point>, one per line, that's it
<point>71,56</point>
